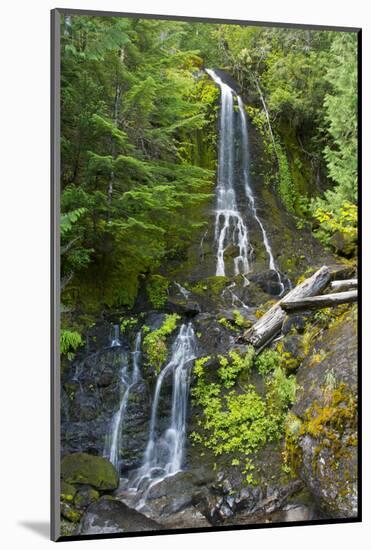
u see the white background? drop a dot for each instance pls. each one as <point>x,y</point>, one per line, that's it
<point>24,272</point>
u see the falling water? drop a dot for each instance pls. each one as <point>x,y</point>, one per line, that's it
<point>128,381</point>
<point>230,228</point>
<point>235,299</point>
<point>116,337</point>
<point>249,193</point>
<point>183,291</point>
<point>164,452</point>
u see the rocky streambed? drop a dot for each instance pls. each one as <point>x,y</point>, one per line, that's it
<point>307,473</point>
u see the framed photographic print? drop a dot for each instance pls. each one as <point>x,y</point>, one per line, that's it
<point>205,191</point>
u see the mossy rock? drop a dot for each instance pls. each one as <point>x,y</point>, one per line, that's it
<point>85,496</point>
<point>67,528</point>
<point>322,449</point>
<point>91,470</point>
<point>70,513</point>
<point>343,244</point>
<point>68,492</point>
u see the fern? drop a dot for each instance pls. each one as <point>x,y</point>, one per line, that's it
<point>69,218</point>
<point>69,342</point>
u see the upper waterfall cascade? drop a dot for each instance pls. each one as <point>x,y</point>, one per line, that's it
<point>231,224</point>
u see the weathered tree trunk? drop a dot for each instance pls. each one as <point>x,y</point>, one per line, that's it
<point>317,302</point>
<point>272,321</point>
<point>344,285</point>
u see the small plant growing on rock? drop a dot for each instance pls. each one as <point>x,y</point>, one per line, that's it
<point>267,361</point>
<point>128,323</point>
<point>154,343</point>
<point>70,341</point>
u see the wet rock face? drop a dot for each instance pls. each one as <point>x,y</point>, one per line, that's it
<point>327,409</point>
<point>113,516</point>
<point>91,392</point>
<point>269,282</point>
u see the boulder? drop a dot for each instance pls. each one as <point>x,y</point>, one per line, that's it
<point>325,444</point>
<point>113,516</point>
<point>70,513</point>
<point>67,492</point>
<point>175,493</point>
<point>86,469</point>
<point>85,496</point>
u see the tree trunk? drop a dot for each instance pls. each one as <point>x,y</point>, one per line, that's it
<point>271,323</point>
<point>344,285</point>
<point>317,302</point>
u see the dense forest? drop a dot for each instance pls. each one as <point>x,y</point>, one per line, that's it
<point>145,150</point>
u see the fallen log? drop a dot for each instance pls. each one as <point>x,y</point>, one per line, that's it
<point>344,285</point>
<point>271,323</point>
<point>318,302</point>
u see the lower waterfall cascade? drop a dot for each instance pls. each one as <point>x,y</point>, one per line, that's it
<point>164,452</point>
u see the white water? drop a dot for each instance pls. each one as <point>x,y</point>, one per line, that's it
<point>236,301</point>
<point>164,452</point>
<point>230,229</point>
<point>183,291</point>
<point>116,337</point>
<point>249,193</point>
<point>128,381</point>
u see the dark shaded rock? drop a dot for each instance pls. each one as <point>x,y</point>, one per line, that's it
<point>296,322</point>
<point>213,336</point>
<point>113,516</point>
<point>85,496</point>
<point>91,470</point>
<point>268,281</point>
<point>183,307</point>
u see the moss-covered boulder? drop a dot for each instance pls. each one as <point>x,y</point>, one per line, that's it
<point>91,470</point>
<point>321,440</point>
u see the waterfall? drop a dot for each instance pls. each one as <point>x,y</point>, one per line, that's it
<point>249,193</point>
<point>183,291</point>
<point>128,381</point>
<point>116,337</point>
<point>164,451</point>
<point>230,229</point>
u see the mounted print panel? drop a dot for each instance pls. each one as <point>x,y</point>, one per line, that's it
<point>205,287</point>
